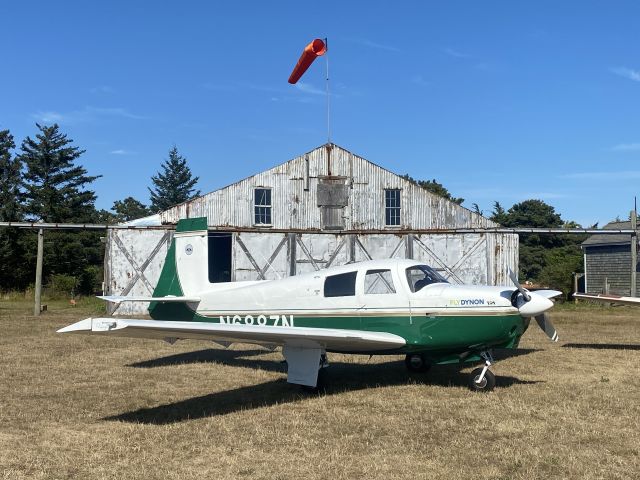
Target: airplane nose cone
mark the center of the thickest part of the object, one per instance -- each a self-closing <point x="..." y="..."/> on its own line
<point x="537" y="305"/>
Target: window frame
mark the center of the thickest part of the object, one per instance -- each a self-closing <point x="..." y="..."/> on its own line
<point x="268" y="206"/>
<point x="392" y="286"/>
<point x="353" y="282"/>
<point x="393" y="212"/>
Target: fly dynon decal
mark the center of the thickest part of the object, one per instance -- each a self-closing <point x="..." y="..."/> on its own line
<point x="277" y="320"/>
<point x="471" y="302"/>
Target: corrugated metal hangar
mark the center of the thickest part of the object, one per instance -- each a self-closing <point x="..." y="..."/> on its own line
<point x="327" y="207"/>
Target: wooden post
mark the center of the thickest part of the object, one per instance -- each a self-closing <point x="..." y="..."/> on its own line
<point x="575" y="286"/>
<point x="634" y="253"/>
<point x="38" y="292"/>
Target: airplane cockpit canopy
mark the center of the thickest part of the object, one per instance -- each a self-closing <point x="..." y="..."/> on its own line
<point x="419" y="276"/>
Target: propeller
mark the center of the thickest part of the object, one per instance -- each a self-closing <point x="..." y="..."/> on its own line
<point x="535" y="305"/>
<point x="547" y="327"/>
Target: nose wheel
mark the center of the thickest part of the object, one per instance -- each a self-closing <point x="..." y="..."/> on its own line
<point x="482" y="379"/>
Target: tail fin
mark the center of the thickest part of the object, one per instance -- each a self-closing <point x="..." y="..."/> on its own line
<point x="185" y="270"/>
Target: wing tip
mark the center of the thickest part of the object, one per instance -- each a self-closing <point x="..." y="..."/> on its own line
<point x="81" y="326"/>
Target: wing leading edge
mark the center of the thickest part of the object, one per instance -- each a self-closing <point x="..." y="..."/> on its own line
<point x="328" y="338"/>
<point x="609" y="299"/>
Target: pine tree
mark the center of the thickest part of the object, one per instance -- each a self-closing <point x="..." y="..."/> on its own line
<point x="54" y="185"/>
<point x="10" y="181"/>
<point x="129" y="209"/>
<point x="13" y="274"/>
<point x="55" y="191"/>
<point x="175" y="184"/>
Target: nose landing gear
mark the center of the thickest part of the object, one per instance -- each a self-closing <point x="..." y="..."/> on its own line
<point x="482" y="379"/>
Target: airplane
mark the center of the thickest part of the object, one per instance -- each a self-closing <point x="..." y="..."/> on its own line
<point x="608" y="298"/>
<point x="376" y="307"/>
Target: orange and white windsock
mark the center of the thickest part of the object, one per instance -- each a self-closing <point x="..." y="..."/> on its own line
<point x="312" y="51"/>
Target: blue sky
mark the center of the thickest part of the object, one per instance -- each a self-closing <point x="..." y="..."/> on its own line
<point x="497" y="100"/>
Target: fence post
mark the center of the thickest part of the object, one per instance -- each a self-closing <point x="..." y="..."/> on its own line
<point x="38" y="293"/>
<point x="634" y="253"/>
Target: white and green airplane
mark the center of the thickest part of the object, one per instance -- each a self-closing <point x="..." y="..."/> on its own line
<point x="392" y="306"/>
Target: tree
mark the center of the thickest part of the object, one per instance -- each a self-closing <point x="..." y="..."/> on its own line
<point x="11" y="194"/>
<point x="54" y="184"/>
<point x="548" y="259"/>
<point x="129" y="209"/>
<point x="55" y="191"/>
<point x="175" y="184"/>
<point x="13" y="275"/>
<point x="498" y="215"/>
<point x="434" y="187"/>
<point x="533" y="213"/>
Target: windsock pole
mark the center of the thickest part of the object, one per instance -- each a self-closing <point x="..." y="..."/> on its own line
<point x="326" y="43"/>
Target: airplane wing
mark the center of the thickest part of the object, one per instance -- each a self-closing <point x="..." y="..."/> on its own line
<point x="329" y="338"/>
<point x="609" y="298"/>
<point x="170" y="298"/>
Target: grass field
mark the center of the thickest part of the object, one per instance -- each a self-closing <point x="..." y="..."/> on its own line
<point x="84" y="407"/>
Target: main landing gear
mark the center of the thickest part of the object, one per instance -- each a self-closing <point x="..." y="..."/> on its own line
<point x="416" y="362"/>
<point x="482" y="379"/>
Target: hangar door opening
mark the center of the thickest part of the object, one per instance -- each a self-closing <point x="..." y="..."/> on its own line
<point x="220" y="256"/>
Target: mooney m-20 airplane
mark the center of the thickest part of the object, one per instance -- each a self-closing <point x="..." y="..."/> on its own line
<point x="392" y="306"/>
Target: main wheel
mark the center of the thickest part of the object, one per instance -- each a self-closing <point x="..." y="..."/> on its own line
<point x="486" y="385"/>
<point x="416" y="362"/>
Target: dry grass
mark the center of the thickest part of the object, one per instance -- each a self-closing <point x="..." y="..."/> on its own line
<point x="83" y="407"/>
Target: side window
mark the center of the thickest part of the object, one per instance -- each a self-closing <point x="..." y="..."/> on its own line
<point x="377" y="282"/>
<point x="342" y="285"/>
<point x="262" y="206"/>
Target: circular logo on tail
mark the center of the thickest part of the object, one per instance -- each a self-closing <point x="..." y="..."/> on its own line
<point x="188" y="249"/>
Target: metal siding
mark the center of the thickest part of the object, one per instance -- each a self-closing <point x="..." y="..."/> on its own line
<point x="295" y="208"/>
<point x="120" y="276"/>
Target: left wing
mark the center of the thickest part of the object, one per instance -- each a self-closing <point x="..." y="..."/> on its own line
<point x="328" y="338"/>
<point x="608" y="298"/>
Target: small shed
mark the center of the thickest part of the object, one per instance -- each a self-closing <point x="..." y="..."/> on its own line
<point x="607" y="261"/>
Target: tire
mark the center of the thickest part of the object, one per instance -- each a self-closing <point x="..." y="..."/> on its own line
<point x="487" y="384"/>
<point x="416" y="362"/>
<point x="321" y="384"/>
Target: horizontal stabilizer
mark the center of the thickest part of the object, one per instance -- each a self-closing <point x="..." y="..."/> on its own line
<point x="169" y="298"/>
<point x="329" y="338"/>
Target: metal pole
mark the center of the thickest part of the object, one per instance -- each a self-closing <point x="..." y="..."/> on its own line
<point x="634" y="253"/>
<point x="326" y="55"/>
<point x="38" y="292"/>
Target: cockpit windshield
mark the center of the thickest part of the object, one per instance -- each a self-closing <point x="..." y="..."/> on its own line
<point x="419" y="276"/>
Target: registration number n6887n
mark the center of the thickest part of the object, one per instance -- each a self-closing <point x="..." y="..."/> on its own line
<point x="271" y="320"/>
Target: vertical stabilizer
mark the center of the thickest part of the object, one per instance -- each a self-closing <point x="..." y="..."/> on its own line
<point x="185" y="270"/>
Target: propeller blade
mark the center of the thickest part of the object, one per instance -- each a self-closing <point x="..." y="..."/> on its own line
<point x="547" y="327"/>
<point x="514" y="279"/>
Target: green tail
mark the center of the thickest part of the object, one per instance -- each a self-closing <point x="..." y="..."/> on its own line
<point x="169" y="283"/>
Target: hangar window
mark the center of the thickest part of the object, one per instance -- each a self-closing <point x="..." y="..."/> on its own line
<point x="378" y="282"/>
<point x="392" y="207"/>
<point x="341" y="285"/>
<point x="262" y="206"/>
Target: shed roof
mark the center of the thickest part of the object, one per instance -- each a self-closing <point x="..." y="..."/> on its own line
<point x="621" y="239"/>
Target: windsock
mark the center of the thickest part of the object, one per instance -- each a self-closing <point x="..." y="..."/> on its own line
<point x="309" y="54"/>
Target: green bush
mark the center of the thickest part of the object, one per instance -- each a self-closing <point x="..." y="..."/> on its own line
<point x="62" y="286"/>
